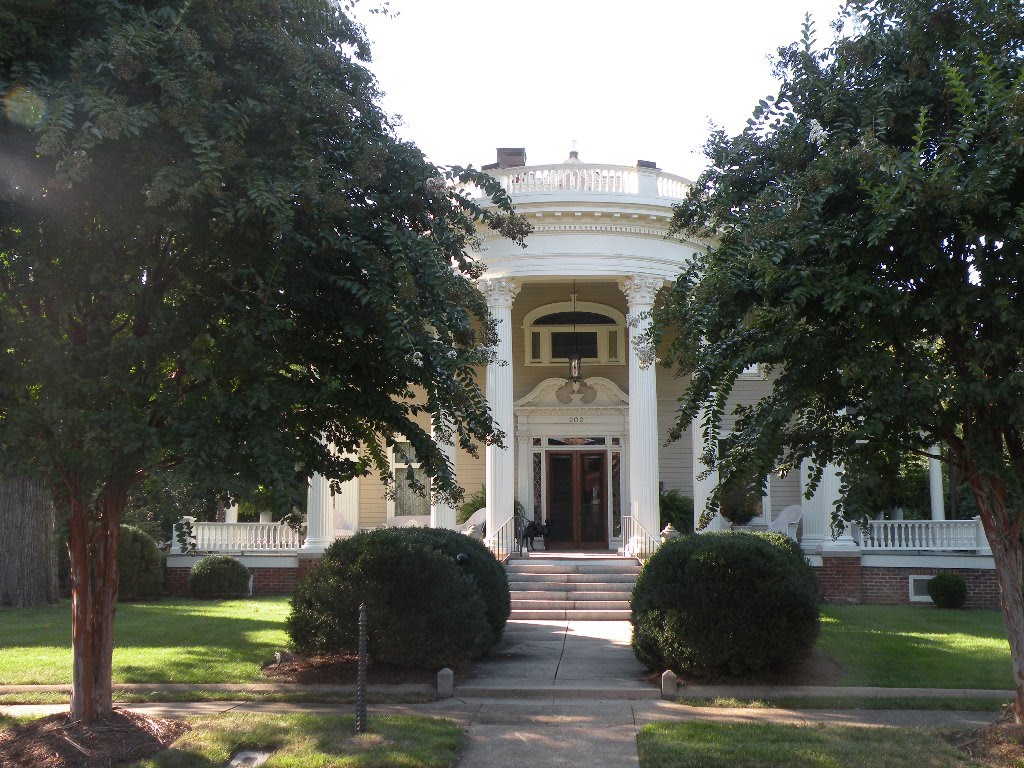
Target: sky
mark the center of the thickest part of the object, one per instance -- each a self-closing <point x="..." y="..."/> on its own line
<point x="626" y="81"/>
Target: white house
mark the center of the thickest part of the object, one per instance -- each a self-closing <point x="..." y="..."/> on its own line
<point x="590" y="456"/>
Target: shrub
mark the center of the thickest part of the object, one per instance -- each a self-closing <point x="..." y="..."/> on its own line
<point x="948" y="590"/>
<point x="725" y="604"/>
<point x="472" y="503"/>
<point x="676" y="509"/>
<point x="218" y="576"/>
<point x="423" y="608"/>
<point x="140" y="566"/>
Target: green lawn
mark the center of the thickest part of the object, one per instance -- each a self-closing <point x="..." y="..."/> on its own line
<point x="313" y="741"/>
<point x="920" y="647"/>
<point x="172" y="641"/>
<point x="702" y="744"/>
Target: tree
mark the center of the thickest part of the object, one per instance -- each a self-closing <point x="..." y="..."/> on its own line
<point x="216" y="256"/>
<point x="867" y="245"/>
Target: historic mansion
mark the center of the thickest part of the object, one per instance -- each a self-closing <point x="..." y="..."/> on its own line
<point x="587" y="413"/>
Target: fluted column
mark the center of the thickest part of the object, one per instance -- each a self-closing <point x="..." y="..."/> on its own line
<point x="935" y="486"/>
<point x="319" y="517"/>
<point x="442" y="514"/>
<point x="500" y="462"/>
<point x="817" y="518"/>
<point x="640" y="291"/>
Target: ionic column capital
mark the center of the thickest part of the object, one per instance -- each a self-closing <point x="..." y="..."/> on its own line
<point x="640" y="290"/>
<point x="500" y="292"/>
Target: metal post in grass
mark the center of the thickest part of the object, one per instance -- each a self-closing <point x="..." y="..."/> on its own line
<point x="361" y="673"/>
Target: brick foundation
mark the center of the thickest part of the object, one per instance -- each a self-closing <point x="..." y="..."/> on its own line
<point x="840" y="579"/>
<point x="265" y="581"/>
<point x="890" y="586"/>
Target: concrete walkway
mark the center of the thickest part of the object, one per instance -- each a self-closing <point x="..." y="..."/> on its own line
<point x="572" y="693"/>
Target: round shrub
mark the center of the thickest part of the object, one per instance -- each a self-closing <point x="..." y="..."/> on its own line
<point x="140" y="566"/>
<point x="948" y="590"/>
<point x="725" y="603"/>
<point x="218" y="576"/>
<point x="424" y="609"/>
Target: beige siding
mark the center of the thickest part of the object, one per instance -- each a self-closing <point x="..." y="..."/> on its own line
<point x="675" y="460"/>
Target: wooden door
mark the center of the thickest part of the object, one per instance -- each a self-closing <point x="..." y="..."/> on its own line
<point x="577" y="502"/>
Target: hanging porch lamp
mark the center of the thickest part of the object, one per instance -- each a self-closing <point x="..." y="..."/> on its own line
<point x="575" y="361"/>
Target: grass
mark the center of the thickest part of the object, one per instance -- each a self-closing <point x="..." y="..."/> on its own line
<point x="904" y="647"/>
<point x="305" y="741"/>
<point x="297" y="697"/>
<point x="759" y="745"/>
<point x="950" y="703"/>
<point x="169" y="641"/>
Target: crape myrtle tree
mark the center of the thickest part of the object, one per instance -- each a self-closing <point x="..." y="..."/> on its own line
<point x="866" y="244"/>
<point x="215" y="255"/>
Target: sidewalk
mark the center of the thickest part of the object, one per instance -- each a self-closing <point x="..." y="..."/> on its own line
<point x="567" y="693"/>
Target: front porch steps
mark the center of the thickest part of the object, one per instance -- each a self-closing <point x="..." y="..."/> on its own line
<point x="549" y="588"/>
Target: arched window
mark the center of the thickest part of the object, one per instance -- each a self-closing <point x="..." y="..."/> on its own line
<point x="555" y="331"/>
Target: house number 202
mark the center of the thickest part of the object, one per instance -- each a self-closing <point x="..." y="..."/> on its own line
<point x="575" y="419"/>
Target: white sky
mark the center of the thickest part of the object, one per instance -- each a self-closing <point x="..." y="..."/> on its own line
<point x="639" y="79"/>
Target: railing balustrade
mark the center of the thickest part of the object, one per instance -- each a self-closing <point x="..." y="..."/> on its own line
<point x="245" y="537"/>
<point x="585" y="177"/>
<point x="916" y="535"/>
<point x="502" y="542"/>
<point x="637" y="541"/>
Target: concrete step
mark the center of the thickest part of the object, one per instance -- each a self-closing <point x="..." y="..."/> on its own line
<point x="574" y="586"/>
<point x="572" y="614"/>
<point x="548" y="567"/>
<point x="569" y="605"/>
<point x="573" y="578"/>
<point x="554" y="595"/>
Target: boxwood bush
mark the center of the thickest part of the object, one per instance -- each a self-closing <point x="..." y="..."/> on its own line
<point x="948" y="590"/>
<point x="425" y="608"/>
<point x="140" y="566"/>
<point x="730" y="603"/>
<point x="218" y="576"/>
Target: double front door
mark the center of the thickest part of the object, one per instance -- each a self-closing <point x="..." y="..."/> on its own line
<point x="577" y="507"/>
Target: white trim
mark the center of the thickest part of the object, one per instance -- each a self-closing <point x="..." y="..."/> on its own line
<point x="929" y="560"/>
<point x="249" y="561"/>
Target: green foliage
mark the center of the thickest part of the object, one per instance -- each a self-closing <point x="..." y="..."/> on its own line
<point x="218" y="576"/>
<point x="948" y="590"/>
<point x="473" y="503"/>
<point x="867" y="251"/>
<point x="424" y="608"/>
<point x="725" y="604"/>
<point x="676" y="509"/>
<point x="903" y="485"/>
<point x="163" y="498"/>
<point x="140" y="566"/>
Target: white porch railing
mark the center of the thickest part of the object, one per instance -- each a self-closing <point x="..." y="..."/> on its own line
<point x="916" y="535"/>
<point x="637" y="541"/>
<point x="586" y="177"/>
<point x="502" y="542"/>
<point x="245" y="537"/>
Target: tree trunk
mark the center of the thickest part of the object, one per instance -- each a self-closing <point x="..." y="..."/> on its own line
<point x="92" y="546"/>
<point x="28" y="548"/>
<point x="1003" y="532"/>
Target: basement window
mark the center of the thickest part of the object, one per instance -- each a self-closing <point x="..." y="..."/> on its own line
<point x="919" y="589"/>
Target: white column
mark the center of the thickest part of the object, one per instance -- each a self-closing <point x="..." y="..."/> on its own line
<point x="703" y="486"/>
<point x="640" y="291"/>
<point x="442" y="514"/>
<point x="816" y="521"/>
<point x="346" y="510"/>
<point x="231" y="514"/>
<point x="935" y="485"/>
<point x="525" y="463"/>
<point x="319" y="518"/>
<point x="500" y="462"/>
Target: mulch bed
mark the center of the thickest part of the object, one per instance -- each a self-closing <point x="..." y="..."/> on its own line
<point x="1000" y="745"/>
<point x="341" y="669"/>
<point x="53" y="742"/>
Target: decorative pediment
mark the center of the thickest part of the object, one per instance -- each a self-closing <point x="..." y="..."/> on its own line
<point x="559" y="393"/>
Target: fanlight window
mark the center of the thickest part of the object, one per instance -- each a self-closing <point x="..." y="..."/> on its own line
<point x="555" y="331"/>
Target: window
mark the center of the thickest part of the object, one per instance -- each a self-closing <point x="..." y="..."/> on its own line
<point x="406" y="467"/>
<point x="919" y="589"/>
<point x="553" y="332"/>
